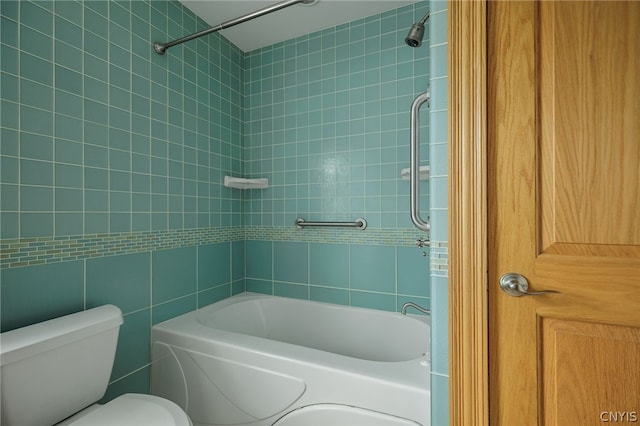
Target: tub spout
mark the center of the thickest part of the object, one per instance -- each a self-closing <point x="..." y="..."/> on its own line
<point x="414" y="305"/>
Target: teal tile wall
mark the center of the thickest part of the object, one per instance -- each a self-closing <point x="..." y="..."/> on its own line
<point x="124" y="281"/>
<point x="112" y="160"/>
<point x="327" y="121"/>
<point x="351" y="274"/>
<point x="102" y="136"/>
<point x="439" y="213"/>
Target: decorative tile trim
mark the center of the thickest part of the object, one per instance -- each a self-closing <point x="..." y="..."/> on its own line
<point x="370" y="236"/>
<point x="15" y="253"/>
<point x="439" y="258"/>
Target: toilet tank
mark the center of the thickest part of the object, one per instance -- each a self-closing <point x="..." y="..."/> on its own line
<point x="53" y="369"/>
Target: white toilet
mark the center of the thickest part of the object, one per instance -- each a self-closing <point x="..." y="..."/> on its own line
<point x="56" y="370"/>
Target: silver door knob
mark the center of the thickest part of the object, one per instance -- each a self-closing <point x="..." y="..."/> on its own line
<point x="517" y="285"/>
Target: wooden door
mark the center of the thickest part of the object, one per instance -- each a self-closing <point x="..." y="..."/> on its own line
<point x="563" y="132"/>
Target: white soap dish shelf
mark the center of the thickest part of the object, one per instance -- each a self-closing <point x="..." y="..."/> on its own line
<point x="242" y="183"/>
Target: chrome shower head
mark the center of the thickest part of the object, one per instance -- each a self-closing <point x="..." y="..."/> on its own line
<point x="416" y="33"/>
<point x="414" y="38"/>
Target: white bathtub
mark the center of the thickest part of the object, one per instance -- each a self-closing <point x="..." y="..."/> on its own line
<point x="263" y="360"/>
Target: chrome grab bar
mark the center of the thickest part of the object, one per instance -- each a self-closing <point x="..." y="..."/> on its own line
<point x="416" y="306"/>
<point x="414" y="176"/>
<point x="358" y="223"/>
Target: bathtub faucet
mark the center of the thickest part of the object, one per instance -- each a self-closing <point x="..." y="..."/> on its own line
<point x="414" y="305"/>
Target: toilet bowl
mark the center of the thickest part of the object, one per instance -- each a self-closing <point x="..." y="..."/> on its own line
<point x="131" y="409"/>
<point x="54" y="372"/>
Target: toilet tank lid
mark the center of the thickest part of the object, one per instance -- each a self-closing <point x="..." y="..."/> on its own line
<point x="27" y="341"/>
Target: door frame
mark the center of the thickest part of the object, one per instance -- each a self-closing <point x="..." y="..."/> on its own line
<point x="468" y="263"/>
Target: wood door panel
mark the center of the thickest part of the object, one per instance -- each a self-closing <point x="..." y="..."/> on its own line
<point x="589" y="94"/>
<point x="563" y="209"/>
<point x="590" y="371"/>
<point x="597" y="250"/>
<point x="587" y="284"/>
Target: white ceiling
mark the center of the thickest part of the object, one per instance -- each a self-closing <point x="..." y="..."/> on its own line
<point x="284" y="24"/>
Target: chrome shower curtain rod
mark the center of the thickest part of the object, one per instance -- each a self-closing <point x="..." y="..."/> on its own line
<point x="160" y="48"/>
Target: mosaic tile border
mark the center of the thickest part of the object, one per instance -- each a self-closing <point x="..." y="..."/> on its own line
<point x="439" y="253"/>
<point x="15" y="253"/>
<point x="371" y="236"/>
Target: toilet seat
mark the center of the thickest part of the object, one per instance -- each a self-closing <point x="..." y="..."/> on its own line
<point x="132" y="409"/>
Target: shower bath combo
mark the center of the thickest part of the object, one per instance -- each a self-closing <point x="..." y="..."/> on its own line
<point x="413" y="39"/>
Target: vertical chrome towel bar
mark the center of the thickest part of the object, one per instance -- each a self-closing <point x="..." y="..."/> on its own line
<point x="414" y="177"/>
